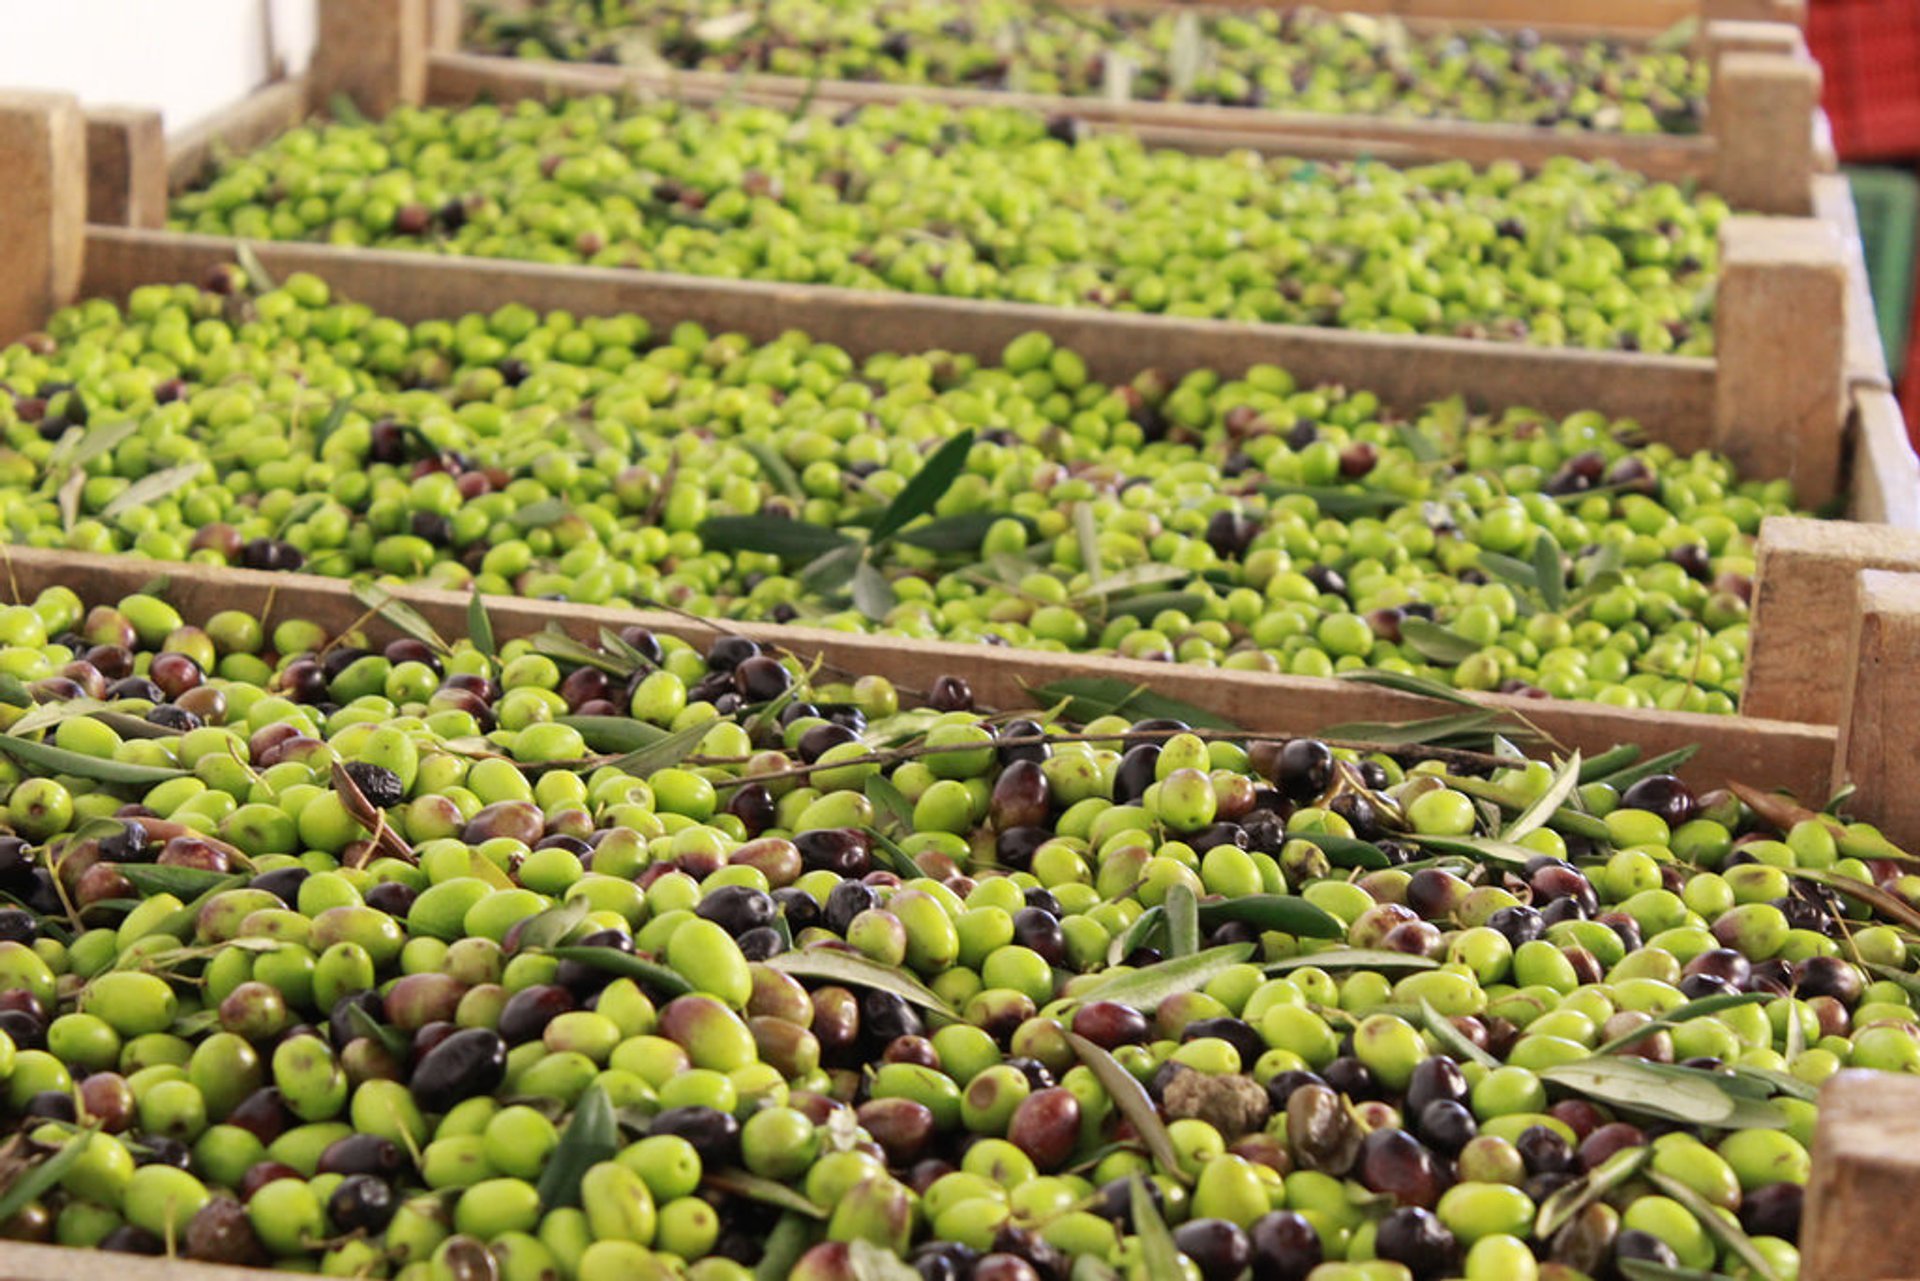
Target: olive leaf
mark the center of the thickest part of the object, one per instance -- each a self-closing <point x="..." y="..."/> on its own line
<point x="159" y="878"/>
<point x="765" y="1191"/>
<point x="625" y="965"/>
<point x="592" y="1136"/>
<point x="872" y="594"/>
<point x="1353" y="958"/>
<point x="1087" y="698"/>
<point x="1535" y="816"/>
<point x="1341" y="504"/>
<point x="791" y="540"/>
<point x="1618" y="757"/>
<point x="59" y="760"/>
<point x="1286" y="913"/>
<point x="1346" y="851"/>
<point x="784" y="1246"/>
<point x="150" y="489"/>
<point x="1087" y="536"/>
<point x="48" y="715"/>
<point x="1560" y="1207"/>
<point x="1407" y="683"/>
<point x="1731" y="1235"/>
<point x="556" y="644"/>
<point x="836" y="966"/>
<point x="259" y="279"/>
<point x="961" y="533"/>
<point x="331" y="423"/>
<point x="538" y="515"/>
<point x="925" y="489"/>
<point x="666" y="752"/>
<point x="1634" y="1085"/>
<point x="1435" y="731"/>
<point x="1482" y="848"/>
<point x="1135" y="576"/>
<point x="1145" y="607"/>
<point x="1436" y="643"/>
<point x="1679" y="1014"/>
<point x="1137" y="935"/>
<point x="1891" y="906"/>
<point x="1183" y="921"/>
<point x="1091" y="1267"/>
<point x="777" y="470"/>
<point x="480" y="626"/>
<point x="869" y="1262"/>
<point x="1145" y="988"/>
<point x="1452" y="1039"/>
<point x="77" y="448"/>
<point x="612" y="642"/>
<point x="829" y="572"/>
<point x="1157" y="1249"/>
<point x="1131" y="1097"/>
<point x="400" y="616"/>
<point x="1548" y="573"/>
<point x="44" y="1176"/>
<point x="889" y="800"/>
<point x="614" y="733"/>
<point x="397" y="1044"/>
<point x="1665" y="763"/>
<point x="1509" y="570"/>
<point x="551" y="927"/>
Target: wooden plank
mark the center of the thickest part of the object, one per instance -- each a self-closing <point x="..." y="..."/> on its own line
<point x="1883" y="478"/>
<point x="1760" y="112"/>
<point x="1878" y="753"/>
<point x="126" y="167"/>
<point x="1671" y="396"/>
<point x="1866" y="357"/>
<point x="1866" y="1173"/>
<point x="258" y="118"/>
<point x="464" y="78"/>
<point x="446" y="22"/>
<point x="43" y="152"/>
<point x="1779" y="334"/>
<point x="1771" y="753"/>
<point x="1804" y="582"/>
<point x="373" y="51"/>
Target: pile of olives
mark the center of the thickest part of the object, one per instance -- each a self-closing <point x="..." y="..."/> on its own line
<point x="1250" y="522"/>
<point x="999" y="204"/>
<point x="421" y="960"/>
<point x="1279" y="58"/>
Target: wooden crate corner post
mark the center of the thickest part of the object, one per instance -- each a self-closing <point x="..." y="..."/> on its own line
<point x="446" y="25"/>
<point x="1878" y="752"/>
<point x="1760" y="112"/>
<point x="1780" y="370"/>
<point x="1793" y="12"/>
<point x="126" y="167"/>
<point x="374" y="52"/>
<point x="1866" y="1174"/>
<point x="1806" y="572"/>
<point x="43" y="209"/>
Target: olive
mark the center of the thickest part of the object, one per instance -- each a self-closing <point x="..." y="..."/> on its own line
<point x="469" y="1062"/>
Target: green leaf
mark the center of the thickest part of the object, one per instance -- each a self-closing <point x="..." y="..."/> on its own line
<point x="304" y="508"/>
<point x="889" y="800"/>
<point x="1731" y="1235"/>
<point x="58" y="760"/>
<point x="259" y="279"/>
<point x="1419" y="444"/>
<point x="765" y="1191"/>
<point x="870" y="1262"/>
<point x="1186" y="58"/>
<point x="78" y="448"/>
<point x="1145" y="607"/>
<point x="1144" y="989"/>
<point x="48" y="715"/>
<point x="666" y="752"/>
<point x="962" y="533"/>
<point x="150" y="489"/>
<point x="1132" y="578"/>
<point x="43" y="1177"/>
<point x="1157" y="1249"/>
<point x="611" y="642"/>
<point x="1087" y="535"/>
<point x="777" y="470"/>
<point x="1682" y="1013"/>
<point x="1137" y="935"/>
<point x="1286" y="913"/>
<point x="1131" y="1097"/>
<point x="872" y="593"/>
<point x="924" y="489"/>
<point x="1665" y="763"/>
<point x="829" y="572"/>
<point x="397" y="1044"/>
<point x="791" y="540"/>
<point x="68" y="499"/>
<point x="1346" y="851"/>
<point x="331" y="423"/>
<point x="1617" y="757"/>
<point x="1560" y="1207"/>
<point x="1353" y="958"/>
<point x="480" y="626"/>
<point x="1548" y="573"/>
<point x="1434" y="642"/>
<point x="1424" y="733"/>
<point x="592" y="1136"/>
<point x="547" y="511"/>
<point x="1341" y="504"/>
<point x="551" y="927"/>
<point x="836" y="966"/>
<point x="1535" y="816"/>
<point x="556" y="644"/>
<point x="1407" y="683"/>
<point x="614" y="733"/>
<point x="159" y="878"/>
<point x="785" y="1244"/>
<point x="1509" y="570"/>
<point x="1634" y="1085"/>
<point x="1183" y="921"/>
<point x="625" y="965"/>
<point x="400" y="615"/>
<point x="1452" y="1039"/>
<point x="1090" y="697"/>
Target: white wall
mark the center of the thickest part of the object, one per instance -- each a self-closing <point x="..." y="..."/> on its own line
<point x="187" y="57"/>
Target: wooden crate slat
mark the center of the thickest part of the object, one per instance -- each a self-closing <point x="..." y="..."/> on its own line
<point x="255" y="119"/>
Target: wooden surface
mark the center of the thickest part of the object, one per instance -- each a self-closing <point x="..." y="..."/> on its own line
<point x="1760" y="114"/>
<point x="1866" y="357"/>
<point x="1766" y="753"/>
<point x="1866" y="1163"/>
<point x="373" y="51"/>
<point x="1878" y="753"/>
<point x="1883" y="476"/>
<point x="43" y="150"/>
<point x="1672" y="396"/>
<point x="1780" y="337"/>
<point x="1803" y="591"/>
<point x="255" y="119"/>
<point x="126" y="167"/>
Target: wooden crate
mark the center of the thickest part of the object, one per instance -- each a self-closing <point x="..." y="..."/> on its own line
<point x="1796" y="331"/>
<point x="1765" y="134"/>
<point x="1613" y="17"/>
